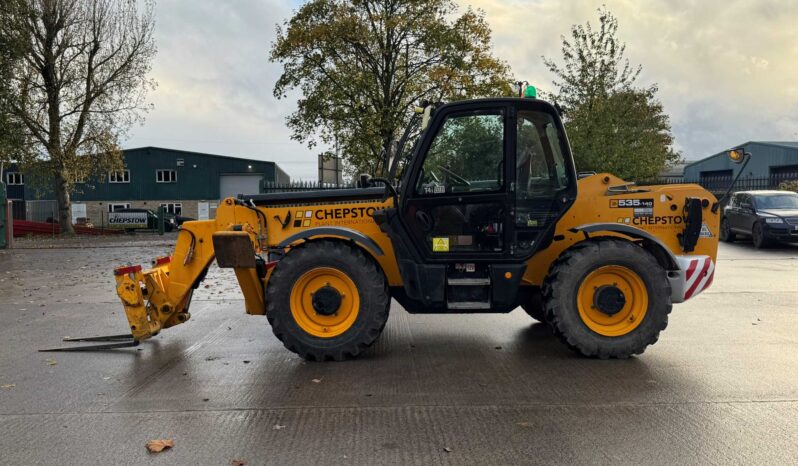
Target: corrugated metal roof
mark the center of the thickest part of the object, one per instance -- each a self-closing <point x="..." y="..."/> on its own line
<point x="785" y="144"/>
<point x="205" y="154"/>
<point x="789" y="144"/>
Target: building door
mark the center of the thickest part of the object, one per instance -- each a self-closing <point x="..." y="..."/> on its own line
<point x="233" y="185"/>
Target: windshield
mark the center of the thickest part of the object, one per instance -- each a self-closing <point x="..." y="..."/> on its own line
<point x="777" y="201"/>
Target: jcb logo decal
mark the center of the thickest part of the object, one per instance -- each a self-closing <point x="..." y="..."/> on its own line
<point x="302" y="218"/>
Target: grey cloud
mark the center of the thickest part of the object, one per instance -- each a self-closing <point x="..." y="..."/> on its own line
<point x="726" y="69"/>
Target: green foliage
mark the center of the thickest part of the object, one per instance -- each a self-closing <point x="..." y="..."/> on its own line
<point x="362" y="65"/>
<point x="612" y="125"/>
<point x="80" y="81"/>
<point x="13" y="143"/>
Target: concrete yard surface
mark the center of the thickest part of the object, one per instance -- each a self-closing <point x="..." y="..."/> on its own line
<point x="720" y="387"/>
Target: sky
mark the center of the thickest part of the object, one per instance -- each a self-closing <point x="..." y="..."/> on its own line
<point x="727" y="71"/>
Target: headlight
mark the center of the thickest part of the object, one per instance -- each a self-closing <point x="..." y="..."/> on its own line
<point x="773" y="220"/>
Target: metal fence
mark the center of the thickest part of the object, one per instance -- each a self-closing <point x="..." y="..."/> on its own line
<point x="41" y="211"/>
<point x="719" y="184"/>
<point x="295" y="186"/>
<point x="714" y="184"/>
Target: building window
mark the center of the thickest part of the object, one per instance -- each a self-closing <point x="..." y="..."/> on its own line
<point x="174" y="208"/>
<point x="166" y="176"/>
<point x="119" y="176"/>
<point x="114" y="207"/>
<point x="15" y="178"/>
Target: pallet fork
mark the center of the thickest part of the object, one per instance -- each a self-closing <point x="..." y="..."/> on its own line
<point x="160" y="297"/>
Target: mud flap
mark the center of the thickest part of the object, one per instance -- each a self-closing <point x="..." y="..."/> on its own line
<point x="693" y="220"/>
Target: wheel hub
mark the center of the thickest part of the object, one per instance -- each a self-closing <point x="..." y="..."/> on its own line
<point x="609" y="299"/>
<point x="326" y="300"/>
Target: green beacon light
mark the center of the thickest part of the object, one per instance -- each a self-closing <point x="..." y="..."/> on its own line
<point x="531" y="92"/>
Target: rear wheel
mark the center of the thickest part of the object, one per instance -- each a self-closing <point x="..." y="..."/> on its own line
<point x="758" y="237"/>
<point x="327" y="300"/>
<point x="607" y="298"/>
<point x="726" y="235"/>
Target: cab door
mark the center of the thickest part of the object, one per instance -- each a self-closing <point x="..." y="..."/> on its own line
<point x="544" y="177"/>
<point x="457" y="204"/>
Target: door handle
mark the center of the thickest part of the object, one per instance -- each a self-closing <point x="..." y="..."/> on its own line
<point x="424" y="220"/>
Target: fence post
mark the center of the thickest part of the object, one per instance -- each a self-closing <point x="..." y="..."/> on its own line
<point x="161" y="226"/>
<point x="4" y="226"/>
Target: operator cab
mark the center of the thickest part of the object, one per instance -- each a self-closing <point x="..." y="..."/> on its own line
<point x="484" y="188"/>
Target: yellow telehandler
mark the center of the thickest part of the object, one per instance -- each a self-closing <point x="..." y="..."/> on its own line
<point x="489" y="215"/>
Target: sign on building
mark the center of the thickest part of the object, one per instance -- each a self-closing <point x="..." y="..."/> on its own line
<point x="127" y="219"/>
<point x="203" y="210"/>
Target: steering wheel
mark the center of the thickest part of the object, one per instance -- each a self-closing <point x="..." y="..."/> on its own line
<point x="454" y="176"/>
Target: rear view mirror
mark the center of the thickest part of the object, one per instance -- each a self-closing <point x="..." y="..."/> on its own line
<point x="737" y="155"/>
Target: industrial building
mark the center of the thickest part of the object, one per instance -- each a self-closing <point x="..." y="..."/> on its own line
<point x="185" y="183"/>
<point x="771" y="163"/>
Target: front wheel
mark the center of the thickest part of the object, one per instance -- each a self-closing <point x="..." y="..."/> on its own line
<point x="726" y="235"/>
<point x="327" y="300"/>
<point x="607" y="298"/>
<point x="758" y="237"/>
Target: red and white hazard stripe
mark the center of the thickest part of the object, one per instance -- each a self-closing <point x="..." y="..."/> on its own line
<point x="699" y="276"/>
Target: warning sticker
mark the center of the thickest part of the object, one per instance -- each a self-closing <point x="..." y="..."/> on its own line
<point x="440" y="244"/>
<point x="705" y="232"/>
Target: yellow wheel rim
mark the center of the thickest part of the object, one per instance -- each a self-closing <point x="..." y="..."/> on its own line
<point x="307" y="316"/>
<point x="622" y="319"/>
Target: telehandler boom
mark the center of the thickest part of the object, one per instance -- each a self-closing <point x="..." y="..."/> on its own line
<point x="490" y="215"/>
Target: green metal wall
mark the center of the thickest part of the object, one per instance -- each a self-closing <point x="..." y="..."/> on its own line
<point x="197" y="178"/>
<point x="764" y="156"/>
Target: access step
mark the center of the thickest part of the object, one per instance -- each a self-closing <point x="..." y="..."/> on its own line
<point x="468" y="305"/>
<point x="468" y="281"/>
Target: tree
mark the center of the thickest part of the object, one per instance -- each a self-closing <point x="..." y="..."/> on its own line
<point x="612" y="125"/>
<point x="362" y="65"/>
<point x="12" y="140"/>
<point x="80" y="84"/>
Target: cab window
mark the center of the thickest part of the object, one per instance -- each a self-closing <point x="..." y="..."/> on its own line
<point x="466" y="155"/>
<point x="540" y="165"/>
<point x="541" y="177"/>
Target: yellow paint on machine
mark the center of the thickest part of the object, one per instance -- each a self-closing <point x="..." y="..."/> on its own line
<point x="655" y="209"/>
<point x="595" y="203"/>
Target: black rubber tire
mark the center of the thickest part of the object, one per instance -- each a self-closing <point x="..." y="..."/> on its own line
<point x="758" y="237"/>
<point x="371" y="285"/>
<point x="534" y="307"/>
<point x="726" y="235"/>
<point x="560" y="297"/>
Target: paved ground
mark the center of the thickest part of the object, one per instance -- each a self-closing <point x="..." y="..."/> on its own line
<point x="721" y="386"/>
